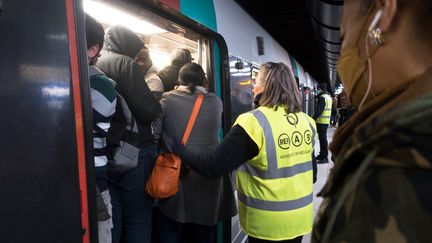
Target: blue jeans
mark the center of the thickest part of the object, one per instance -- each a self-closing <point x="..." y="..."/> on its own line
<point x="132" y="206"/>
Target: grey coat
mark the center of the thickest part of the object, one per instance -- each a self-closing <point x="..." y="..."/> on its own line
<point x="200" y="200"/>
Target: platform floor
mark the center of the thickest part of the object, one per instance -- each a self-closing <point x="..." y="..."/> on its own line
<point x="323" y="172"/>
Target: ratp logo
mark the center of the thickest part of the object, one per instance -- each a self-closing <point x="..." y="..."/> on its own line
<point x="284" y="141"/>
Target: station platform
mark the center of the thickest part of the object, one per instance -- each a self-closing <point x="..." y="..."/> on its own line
<point x="323" y="173"/>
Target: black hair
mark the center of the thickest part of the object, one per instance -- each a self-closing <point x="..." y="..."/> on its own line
<point x="192" y="75"/>
<point x="94" y="32"/>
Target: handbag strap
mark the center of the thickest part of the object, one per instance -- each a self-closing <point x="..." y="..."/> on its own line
<point x="192" y="118"/>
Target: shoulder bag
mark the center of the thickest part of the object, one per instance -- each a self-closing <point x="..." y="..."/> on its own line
<point x="164" y="179"/>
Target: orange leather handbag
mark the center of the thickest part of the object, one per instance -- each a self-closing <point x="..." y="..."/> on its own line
<point x="164" y="179"/>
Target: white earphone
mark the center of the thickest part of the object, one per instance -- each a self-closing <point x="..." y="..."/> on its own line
<point x="372" y="26"/>
<point x="375" y="20"/>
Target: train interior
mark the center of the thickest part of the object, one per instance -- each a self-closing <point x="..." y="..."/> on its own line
<point x="162" y="38"/>
<point x="159" y="35"/>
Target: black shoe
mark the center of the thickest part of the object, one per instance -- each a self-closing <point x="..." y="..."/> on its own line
<point x="322" y="161"/>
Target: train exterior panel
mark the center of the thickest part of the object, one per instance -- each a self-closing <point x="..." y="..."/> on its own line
<point x="45" y="142"/>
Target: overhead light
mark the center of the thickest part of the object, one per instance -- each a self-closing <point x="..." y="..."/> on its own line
<point x="159" y="58"/>
<point x="110" y="15"/>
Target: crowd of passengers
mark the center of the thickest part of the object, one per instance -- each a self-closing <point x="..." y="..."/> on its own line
<point x="378" y="190"/>
<point x="161" y="103"/>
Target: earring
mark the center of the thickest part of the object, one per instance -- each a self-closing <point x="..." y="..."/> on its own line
<point x="376" y="37"/>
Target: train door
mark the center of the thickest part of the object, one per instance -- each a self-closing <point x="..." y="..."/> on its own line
<point x="242" y="79"/>
<point x="46" y="170"/>
<point x="44" y="143"/>
<point x="241" y="82"/>
<point x="164" y="31"/>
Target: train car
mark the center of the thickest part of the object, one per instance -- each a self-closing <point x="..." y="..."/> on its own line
<point x="249" y="46"/>
<point x="46" y="167"/>
<point x="46" y="170"/>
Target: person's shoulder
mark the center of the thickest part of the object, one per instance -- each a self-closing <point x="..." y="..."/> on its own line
<point x="212" y="96"/>
<point x="247" y="116"/>
<point x="171" y="96"/>
<point x="166" y="70"/>
<point x="214" y="100"/>
<point x="104" y="85"/>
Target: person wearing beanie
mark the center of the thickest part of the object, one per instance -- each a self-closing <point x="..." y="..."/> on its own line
<point x="170" y="74"/>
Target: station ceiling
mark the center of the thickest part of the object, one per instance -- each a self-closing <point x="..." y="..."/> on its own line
<point x="307" y="29"/>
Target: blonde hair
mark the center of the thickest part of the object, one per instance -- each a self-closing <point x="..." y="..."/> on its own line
<point x="280" y="87"/>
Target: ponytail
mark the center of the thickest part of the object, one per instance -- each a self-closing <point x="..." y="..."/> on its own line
<point x="192" y="87"/>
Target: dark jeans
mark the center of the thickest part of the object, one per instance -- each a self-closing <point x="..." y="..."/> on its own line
<point x="132" y="206"/>
<point x="171" y="231"/>
<point x="255" y="240"/>
<point x="322" y="135"/>
<point x="333" y="118"/>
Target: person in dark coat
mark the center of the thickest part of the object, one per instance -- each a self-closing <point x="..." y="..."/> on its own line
<point x="201" y="202"/>
<point x="151" y="76"/>
<point x="132" y="207"/>
<point x="169" y="74"/>
<point x="322" y="127"/>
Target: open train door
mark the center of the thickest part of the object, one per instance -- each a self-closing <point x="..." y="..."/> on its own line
<point x="45" y="164"/>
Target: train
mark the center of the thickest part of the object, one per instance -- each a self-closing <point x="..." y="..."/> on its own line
<point x="46" y="166"/>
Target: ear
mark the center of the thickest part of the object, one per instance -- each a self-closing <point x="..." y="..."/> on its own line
<point x="93" y="51"/>
<point x="389" y="9"/>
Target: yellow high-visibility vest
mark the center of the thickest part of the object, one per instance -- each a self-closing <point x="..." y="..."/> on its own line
<point x="324" y="118"/>
<point x="275" y="188"/>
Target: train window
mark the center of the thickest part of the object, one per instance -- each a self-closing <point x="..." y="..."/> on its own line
<point x="241" y="87"/>
<point x="159" y="35"/>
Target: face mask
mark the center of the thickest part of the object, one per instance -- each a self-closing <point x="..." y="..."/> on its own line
<point x="352" y="69"/>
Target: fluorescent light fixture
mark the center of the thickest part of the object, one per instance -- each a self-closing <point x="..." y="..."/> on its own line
<point x="110" y="15"/>
<point x="159" y="58"/>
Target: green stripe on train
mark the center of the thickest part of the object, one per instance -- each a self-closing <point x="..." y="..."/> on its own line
<point x="201" y="11"/>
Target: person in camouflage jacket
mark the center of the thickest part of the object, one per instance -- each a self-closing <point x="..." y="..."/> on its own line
<point x="380" y="189"/>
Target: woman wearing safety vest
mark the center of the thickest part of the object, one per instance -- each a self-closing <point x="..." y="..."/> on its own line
<point x="272" y="148"/>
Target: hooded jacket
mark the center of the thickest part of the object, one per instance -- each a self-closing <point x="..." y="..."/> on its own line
<point x="117" y="62"/>
<point x="169" y="75"/>
<point x="379" y="189"/>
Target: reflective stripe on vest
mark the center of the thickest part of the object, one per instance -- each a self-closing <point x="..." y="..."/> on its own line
<point x="273" y="172"/>
<point x="263" y="192"/>
<point x="275" y="206"/>
<point x="324" y="118"/>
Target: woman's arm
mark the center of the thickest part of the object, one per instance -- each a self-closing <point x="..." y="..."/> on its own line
<point x="235" y="149"/>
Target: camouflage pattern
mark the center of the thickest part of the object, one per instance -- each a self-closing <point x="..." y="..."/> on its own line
<point x="380" y="189"/>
